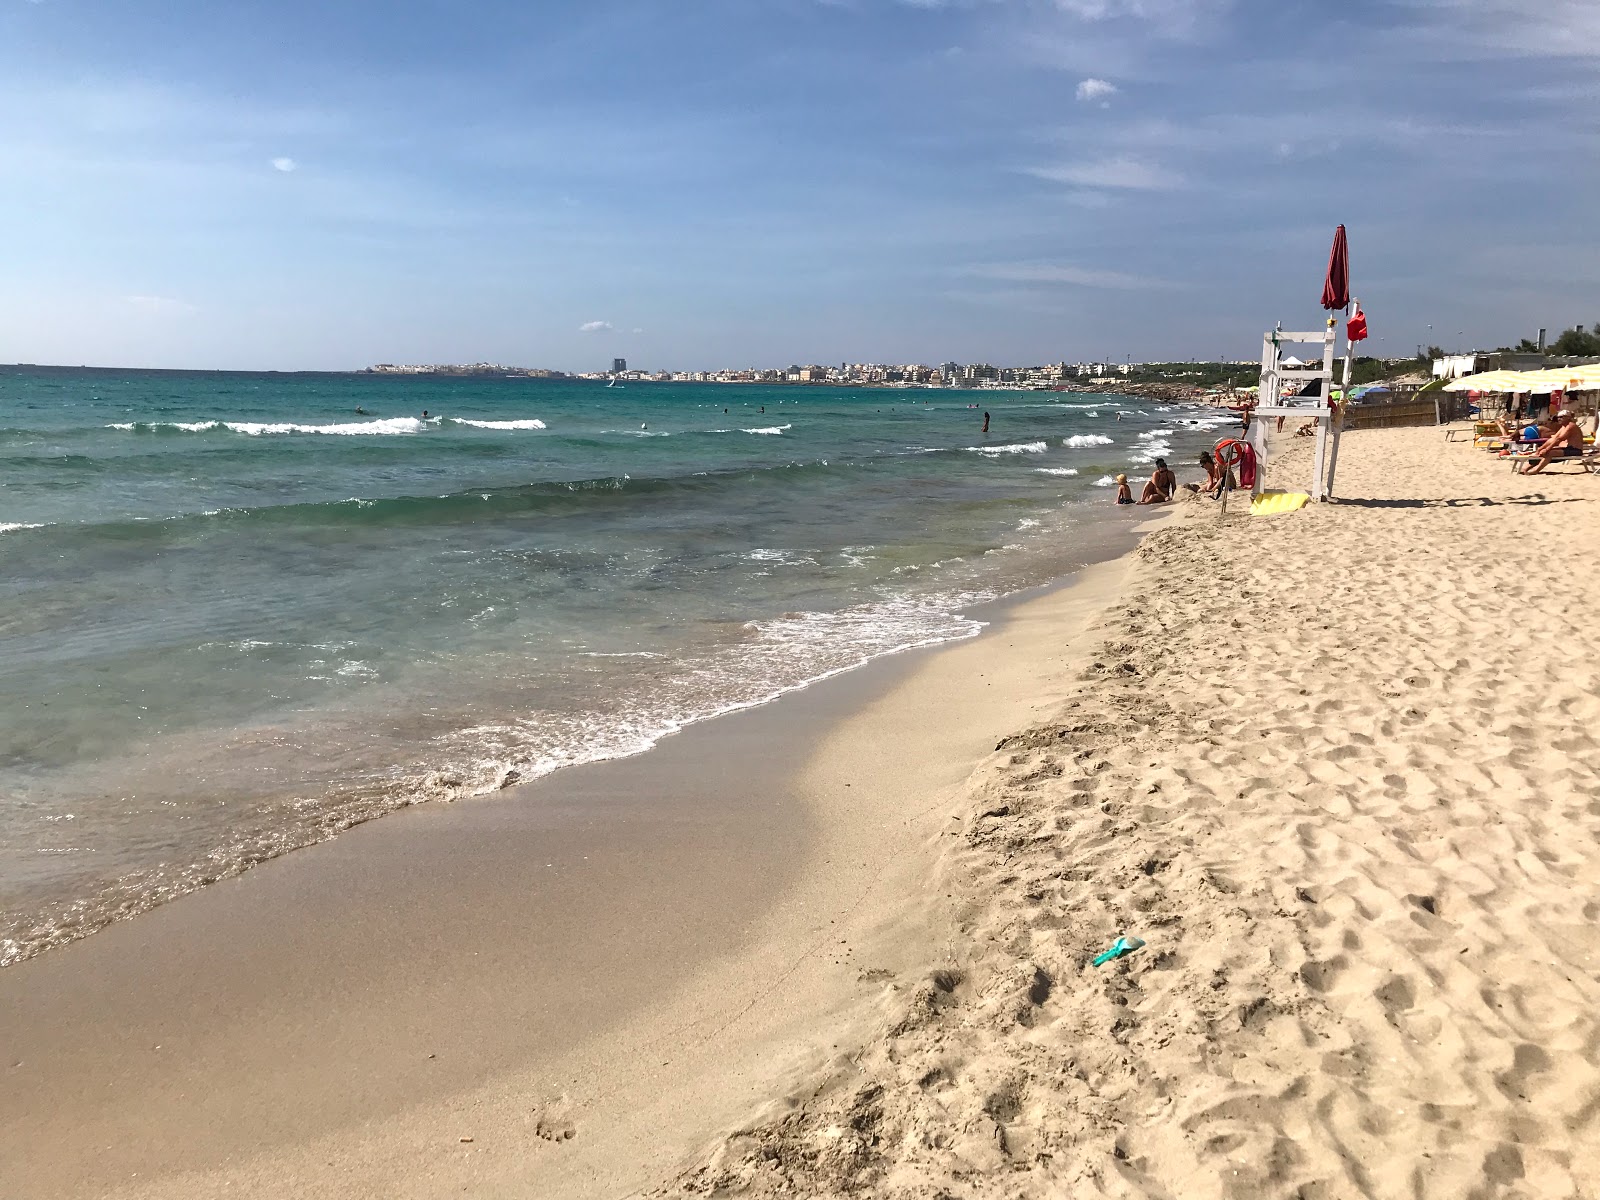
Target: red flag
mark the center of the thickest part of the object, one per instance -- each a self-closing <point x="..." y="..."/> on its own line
<point x="1336" y="288"/>
<point x="1356" y="328"/>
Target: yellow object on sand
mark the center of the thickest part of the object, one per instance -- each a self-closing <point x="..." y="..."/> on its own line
<point x="1268" y="503"/>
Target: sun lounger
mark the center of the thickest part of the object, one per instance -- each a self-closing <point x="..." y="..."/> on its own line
<point x="1588" y="461"/>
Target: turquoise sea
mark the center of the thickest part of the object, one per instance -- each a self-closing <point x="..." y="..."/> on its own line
<point x="239" y="612"/>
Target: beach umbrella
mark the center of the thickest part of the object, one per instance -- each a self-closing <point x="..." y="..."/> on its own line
<point x="1491" y="381"/>
<point x="1554" y="379"/>
<point x="1582" y="379"/>
<point x="1336" y="287"/>
<point x="1572" y="378"/>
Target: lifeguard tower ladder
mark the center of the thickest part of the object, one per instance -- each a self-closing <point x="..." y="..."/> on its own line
<point x="1278" y="398"/>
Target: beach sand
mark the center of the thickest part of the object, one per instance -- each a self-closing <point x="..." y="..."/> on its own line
<point x="1339" y="771"/>
<point x="1337" y="768"/>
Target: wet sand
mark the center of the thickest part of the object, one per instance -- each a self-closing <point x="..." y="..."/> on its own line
<point x="587" y="977"/>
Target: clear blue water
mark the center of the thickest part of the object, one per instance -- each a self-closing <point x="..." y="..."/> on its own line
<point x="236" y="614"/>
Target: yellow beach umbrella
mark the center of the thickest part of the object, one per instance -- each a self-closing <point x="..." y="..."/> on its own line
<point x="1562" y="379"/>
<point x="1491" y="381"/>
<point x="1583" y="379"/>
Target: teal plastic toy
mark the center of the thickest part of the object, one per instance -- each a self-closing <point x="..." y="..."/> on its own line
<point x="1123" y="945"/>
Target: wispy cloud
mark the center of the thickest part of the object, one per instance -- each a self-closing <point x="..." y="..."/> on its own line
<point x="595" y="327"/>
<point x="285" y="165"/>
<point x="1497" y="28"/>
<point x="158" y="304"/>
<point x="1073" y="276"/>
<point x="1121" y="172"/>
<point x="1162" y="12"/>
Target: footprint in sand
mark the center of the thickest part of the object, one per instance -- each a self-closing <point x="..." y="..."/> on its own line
<point x="554" y="1125"/>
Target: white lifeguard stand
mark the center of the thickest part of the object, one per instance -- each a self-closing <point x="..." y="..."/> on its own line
<point x="1273" y="403"/>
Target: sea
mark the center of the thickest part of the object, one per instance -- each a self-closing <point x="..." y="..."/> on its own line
<point x="242" y="612"/>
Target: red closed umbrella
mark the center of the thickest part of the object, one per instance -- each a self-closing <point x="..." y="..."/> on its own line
<point x="1336" y="288"/>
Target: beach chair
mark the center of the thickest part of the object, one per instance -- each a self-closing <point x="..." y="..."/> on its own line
<point x="1588" y="462"/>
<point x="1483" y="432"/>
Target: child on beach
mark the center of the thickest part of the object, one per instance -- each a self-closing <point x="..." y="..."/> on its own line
<point x="1124" y="492"/>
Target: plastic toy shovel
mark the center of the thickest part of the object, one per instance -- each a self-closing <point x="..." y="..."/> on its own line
<point x="1123" y="945"/>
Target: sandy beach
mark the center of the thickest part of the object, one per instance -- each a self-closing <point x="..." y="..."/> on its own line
<point x="1336" y="769"/>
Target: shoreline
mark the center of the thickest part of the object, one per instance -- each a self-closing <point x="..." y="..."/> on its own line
<point x="94" y="838"/>
<point x="246" y="998"/>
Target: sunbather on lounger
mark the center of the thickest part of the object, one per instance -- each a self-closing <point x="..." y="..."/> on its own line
<point x="1565" y="442"/>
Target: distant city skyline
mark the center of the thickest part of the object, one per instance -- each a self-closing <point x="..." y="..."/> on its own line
<point x="322" y="186"/>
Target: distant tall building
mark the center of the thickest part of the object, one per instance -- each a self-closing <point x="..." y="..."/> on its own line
<point x="619" y="366"/>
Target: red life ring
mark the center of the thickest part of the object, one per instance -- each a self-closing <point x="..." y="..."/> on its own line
<point x="1229" y="452"/>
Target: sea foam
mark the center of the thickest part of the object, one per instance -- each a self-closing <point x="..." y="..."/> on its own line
<point x="1014" y="448"/>
<point x="530" y="423"/>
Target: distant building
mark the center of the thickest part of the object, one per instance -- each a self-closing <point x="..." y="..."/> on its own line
<point x="619" y="366"/>
<point x="1454" y="366"/>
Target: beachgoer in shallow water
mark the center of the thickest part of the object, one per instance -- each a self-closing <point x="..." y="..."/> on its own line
<point x="986" y="422"/>
<point x="424" y="414"/>
<point x="1565" y="442"/>
<point x="1124" y="492"/>
<point x="1161" y="486"/>
<point x="360" y="412"/>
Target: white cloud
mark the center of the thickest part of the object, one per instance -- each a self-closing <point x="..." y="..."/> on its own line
<point x="1172" y="16"/>
<point x="638" y="331"/>
<point x="1121" y="172"/>
<point x="1058" y="273"/>
<point x="285" y="165"/>
<point x="1096" y="89"/>
<point x="595" y="327"/>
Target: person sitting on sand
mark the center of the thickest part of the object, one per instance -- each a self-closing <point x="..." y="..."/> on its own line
<point x="1161" y="486"/>
<point x="1565" y="442"/>
<point x="1218" y="477"/>
<point x="1124" y="492"/>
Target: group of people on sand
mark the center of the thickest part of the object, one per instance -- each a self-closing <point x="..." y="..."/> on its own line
<point x="1158" y="490"/>
<point x="1162" y="485"/>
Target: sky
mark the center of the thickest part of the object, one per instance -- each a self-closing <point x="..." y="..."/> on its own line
<point x="691" y="184"/>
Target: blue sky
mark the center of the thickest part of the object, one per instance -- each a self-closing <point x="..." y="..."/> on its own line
<point x="698" y="183"/>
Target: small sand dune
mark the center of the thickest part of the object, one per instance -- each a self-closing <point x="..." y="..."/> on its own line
<point x="1339" y="770"/>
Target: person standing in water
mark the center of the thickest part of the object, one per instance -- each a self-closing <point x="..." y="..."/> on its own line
<point x="986" y="422"/>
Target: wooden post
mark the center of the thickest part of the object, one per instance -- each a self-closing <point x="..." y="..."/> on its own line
<point x="1337" y="420"/>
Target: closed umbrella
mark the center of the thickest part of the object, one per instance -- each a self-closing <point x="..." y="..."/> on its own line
<point x="1336" y="287"/>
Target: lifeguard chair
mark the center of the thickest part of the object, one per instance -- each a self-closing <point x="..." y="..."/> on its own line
<point x="1284" y="395"/>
